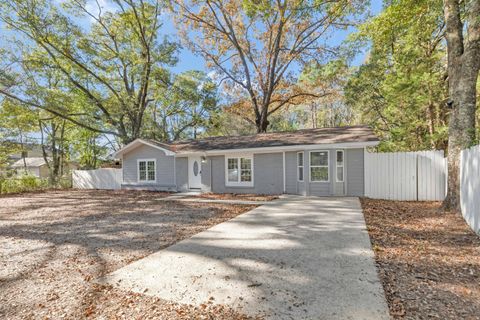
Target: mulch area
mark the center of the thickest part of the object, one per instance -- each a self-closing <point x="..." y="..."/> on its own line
<point x="237" y="196"/>
<point x="428" y="260"/>
<point x="53" y="245"/>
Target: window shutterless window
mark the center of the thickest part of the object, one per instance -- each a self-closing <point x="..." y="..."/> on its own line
<point x="319" y="166"/>
<point x="239" y="171"/>
<point x="340" y="165"/>
<point x="300" y="166"/>
<point x="146" y="170"/>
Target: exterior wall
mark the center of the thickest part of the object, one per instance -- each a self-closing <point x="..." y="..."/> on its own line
<point x="291" y="181"/>
<point x="355" y="178"/>
<point x="320" y="189"/>
<point x="181" y="170"/>
<point x="207" y="176"/>
<point x="267" y="173"/>
<point x="43" y="171"/>
<point x="165" y="169"/>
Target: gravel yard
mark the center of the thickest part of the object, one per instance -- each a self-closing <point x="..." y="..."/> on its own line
<point x="428" y="260"/>
<point x="53" y="246"/>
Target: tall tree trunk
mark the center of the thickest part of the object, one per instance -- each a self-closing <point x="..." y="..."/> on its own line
<point x="262" y="121"/>
<point x="463" y="68"/>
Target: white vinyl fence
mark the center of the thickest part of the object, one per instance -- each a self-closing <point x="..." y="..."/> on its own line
<point x="406" y="176"/>
<point x="106" y="178"/>
<point x="470" y="187"/>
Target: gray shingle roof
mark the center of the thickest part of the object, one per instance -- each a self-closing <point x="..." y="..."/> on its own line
<point x="278" y="139"/>
<point x="31" y="162"/>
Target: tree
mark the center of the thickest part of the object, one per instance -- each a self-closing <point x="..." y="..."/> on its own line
<point x="400" y="87"/>
<point x="328" y="109"/>
<point x="90" y="148"/>
<point x="18" y="126"/>
<point x="188" y="108"/>
<point x="257" y="46"/>
<point x="462" y="20"/>
<point x="112" y="69"/>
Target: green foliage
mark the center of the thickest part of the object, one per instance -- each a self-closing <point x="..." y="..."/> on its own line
<point x="103" y="77"/>
<point x="189" y="108"/>
<point x="400" y="89"/>
<point x="24" y="183"/>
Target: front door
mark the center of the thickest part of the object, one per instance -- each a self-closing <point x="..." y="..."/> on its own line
<point x="195" y="172"/>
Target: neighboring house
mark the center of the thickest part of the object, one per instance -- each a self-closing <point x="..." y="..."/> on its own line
<point x="320" y="162"/>
<point x="35" y="166"/>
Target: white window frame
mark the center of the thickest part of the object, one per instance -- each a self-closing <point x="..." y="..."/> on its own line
<point x="310" y="166"/>
<point x="301" y="166"/>
<point x="146" y="168"/>
<point x="239" y="183"/>
<point x="342" y="166"/>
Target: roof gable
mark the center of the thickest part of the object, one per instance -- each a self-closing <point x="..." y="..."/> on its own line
<point x="152" y="143"/>
<point x="29" y="162"/>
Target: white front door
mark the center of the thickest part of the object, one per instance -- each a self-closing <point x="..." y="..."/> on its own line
<point x="195" y="172"/>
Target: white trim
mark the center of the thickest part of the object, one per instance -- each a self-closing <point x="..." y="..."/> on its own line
<point x="239" y="183"/>
<point x="146" y="170"/>
<point x="302" y="166"/>
<point x="343" y="145"/>
<point x="284" y="175"/>
<point x="342" y="166"/>
<point x="310" y="166"/>
<point x="135" y="142"/>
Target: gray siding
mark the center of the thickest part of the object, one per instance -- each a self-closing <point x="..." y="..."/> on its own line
<point x="291" y="172"/>
<point x="267" y="170"/>
<point x="181" y="169"/>
<point x="206" y="176"/>
<point x="165" y="169"/>
<point x="320" y="189"/>
<point x="355" y="172"/>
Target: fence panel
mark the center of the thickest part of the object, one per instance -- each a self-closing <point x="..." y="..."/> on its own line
<point x="432" y="175"/>
<point x="470" y="187"/>
<point x="405" y="175"/>
<point x="110" y="179"/>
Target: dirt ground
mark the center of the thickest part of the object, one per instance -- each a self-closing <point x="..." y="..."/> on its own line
<point x="428" y="260"/>
<point x="53" y="246"/>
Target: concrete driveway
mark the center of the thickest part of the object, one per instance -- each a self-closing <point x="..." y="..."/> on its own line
<point x="295" y="258"/>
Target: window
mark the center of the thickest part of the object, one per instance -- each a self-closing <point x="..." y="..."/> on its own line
<point x="146" y="170"/>
<point x="239" y="171"/>
<point x="300" y="166"/>
<point x="340" y="165"/>
<point x="319" y="166"/>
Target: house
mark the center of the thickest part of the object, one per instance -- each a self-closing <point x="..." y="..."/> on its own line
<point x="320" y="162"/>
<point x="35" y="166"/>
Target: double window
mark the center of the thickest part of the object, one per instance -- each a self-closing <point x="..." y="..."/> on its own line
<point x="300" y="166"/>
<point x="239" y="171"/>
<point x="319" y="166"/>
<point x="340" y="170"/>
<point x="146" y="170"/>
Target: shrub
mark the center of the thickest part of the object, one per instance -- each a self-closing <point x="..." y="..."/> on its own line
<point x="22" y="184"/>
